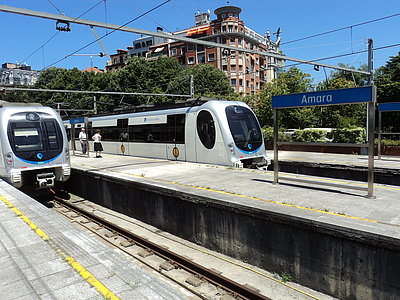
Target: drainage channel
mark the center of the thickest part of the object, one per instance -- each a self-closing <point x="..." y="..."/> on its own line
<point x="224" y="288"/>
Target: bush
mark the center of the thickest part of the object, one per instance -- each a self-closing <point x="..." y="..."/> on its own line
<point x="349" y="135"/>
<point x="268" y="133"/>
<point x="311" y="135"/>
<point x="386" y="142"/>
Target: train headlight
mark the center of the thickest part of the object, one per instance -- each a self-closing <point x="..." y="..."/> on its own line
<point x="231" y="148"/>
<point x="9" y="159"/>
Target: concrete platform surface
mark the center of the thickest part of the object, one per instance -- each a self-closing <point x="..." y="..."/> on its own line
<point x="338" y="206"/>
<point x="43" y="256"/>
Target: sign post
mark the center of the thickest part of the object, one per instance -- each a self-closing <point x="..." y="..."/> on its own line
<point x="365" y="94"/>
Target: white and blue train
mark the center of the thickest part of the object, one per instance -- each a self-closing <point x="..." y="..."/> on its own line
<point x="213" y="132"/>
<point x="34" y="146"/>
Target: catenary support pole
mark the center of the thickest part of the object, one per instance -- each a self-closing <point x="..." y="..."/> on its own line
<point x="275" y="144"/>
<point x="371" y="123"/>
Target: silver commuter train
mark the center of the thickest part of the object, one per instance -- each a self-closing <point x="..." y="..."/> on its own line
<point x="33" y="145"/>
<point x="214" y="132"/>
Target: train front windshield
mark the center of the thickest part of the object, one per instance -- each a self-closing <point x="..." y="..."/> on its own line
<point x="244" y="128"/>
<point x="35" y="140"/>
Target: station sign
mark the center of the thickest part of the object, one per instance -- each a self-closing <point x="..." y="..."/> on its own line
<point x="77" y="120"/>
<point x="390" y="106"/>
<point x="329" y="97"/>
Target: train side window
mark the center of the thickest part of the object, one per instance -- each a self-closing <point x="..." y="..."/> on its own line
<point x="206" y="129"/>
<point x="52" y="135"/>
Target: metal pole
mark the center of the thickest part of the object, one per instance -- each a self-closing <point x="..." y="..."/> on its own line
<point x="191" y="86"/>
<point x="73" y="138"/>
<point x="94" y="105"/>
<point x="87" y="134"/>
<point x="276" y="163"/>
<point x="371" y="123"/>
<point x="379" y="135"/>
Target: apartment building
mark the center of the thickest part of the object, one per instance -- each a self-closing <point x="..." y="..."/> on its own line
<point x="14" y="74"/>
<point x="246" y="72"/>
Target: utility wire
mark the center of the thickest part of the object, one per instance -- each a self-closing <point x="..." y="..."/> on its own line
<point x="339" y="29"/>
<point x="41" y="47"/>
<point x="347" y="54"/>
<point x="55" y="7"/>
<point x="107" y="34"/>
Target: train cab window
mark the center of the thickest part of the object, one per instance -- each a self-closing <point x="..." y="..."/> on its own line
<point x="206" y="129"/>
<point x="26" y="137"/>
<point x="244" y="128"/>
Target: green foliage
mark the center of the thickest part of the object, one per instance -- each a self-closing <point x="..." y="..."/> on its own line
<point x="268" y="133"/>
<point x="349" y="135"/>
<point x="387" y="79"/>
<point x="311" y="135"/>
<point x="386" y="142"/>
<point x="286" y="277"/>
<point x="160" y="76"/>
<point x="208" y="81"/>
<point x="287" y="82"/>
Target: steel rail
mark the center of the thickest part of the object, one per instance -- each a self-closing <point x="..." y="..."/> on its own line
<point x="186" y="264"/>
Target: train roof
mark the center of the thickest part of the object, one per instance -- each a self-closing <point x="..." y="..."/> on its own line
<point x="7" y="104"/>
<point x="156" y="106"/>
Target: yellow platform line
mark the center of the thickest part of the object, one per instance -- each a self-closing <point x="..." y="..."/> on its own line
<point x="85" y="274"/>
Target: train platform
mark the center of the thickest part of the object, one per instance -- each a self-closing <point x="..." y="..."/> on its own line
<point x="255" y="187"/>
<point x="43" y="256"/>
<point x="334" y="231"/>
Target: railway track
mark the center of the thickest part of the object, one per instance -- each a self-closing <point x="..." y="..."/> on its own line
<point x="202" y="282"/>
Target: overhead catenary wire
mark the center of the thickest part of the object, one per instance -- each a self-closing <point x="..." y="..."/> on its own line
<point x="108" y="33"/>
<point x="42" y="46"/>
<point x="340" y="29"/>
<point x="27" y="12"/>
<point x="346" y="54"/>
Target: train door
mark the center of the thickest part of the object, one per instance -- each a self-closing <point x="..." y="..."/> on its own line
<point x="175" y="137"/>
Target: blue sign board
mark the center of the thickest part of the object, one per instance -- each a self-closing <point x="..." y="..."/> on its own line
<point x="390" y="106"/>
<point x="330" y="97"/>
<point x="77" y="120"/>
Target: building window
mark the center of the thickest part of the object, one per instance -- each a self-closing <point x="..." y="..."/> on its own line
<point x="230" y="28"/>
<point x="190" y="47"/>
<point x="174" y="51"/>
<point x="201" y="58"/>
<point x="225" y="68"/>
<point x="137" y="46"/>
<point x="233" y="82"/>
<point x="223" y="41"/>
<point x="190" y="60"/>
<point x="200" y="48"/>
<point x="149" y="43"/>
<point x="240" y="82"/>
<point x="232" y="41"/>
<point x="211" y="57"/>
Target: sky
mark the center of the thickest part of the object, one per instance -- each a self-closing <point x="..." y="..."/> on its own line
<point x="36" y="41"/>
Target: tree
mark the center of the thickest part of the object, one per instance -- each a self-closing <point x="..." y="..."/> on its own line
<point x="343" y="116"/>
<point x="208" y="81"/>
<point x="388" y="83"/>
<point x="287" y="82"/>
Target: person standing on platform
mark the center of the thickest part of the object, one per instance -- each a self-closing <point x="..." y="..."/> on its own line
<point x="83" y="140"/>
<point x="97" y="143"/>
